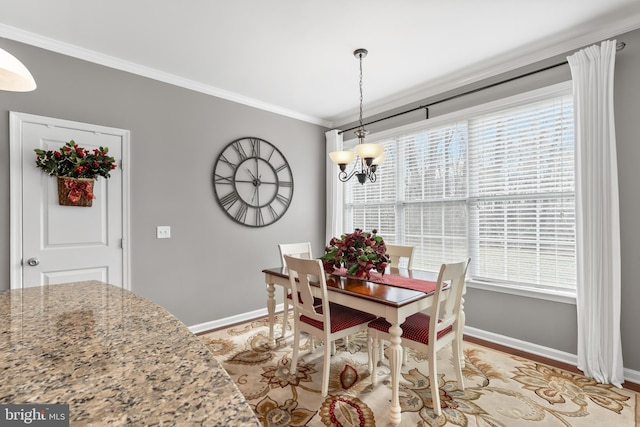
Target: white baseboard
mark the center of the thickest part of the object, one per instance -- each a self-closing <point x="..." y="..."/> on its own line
<point x="232" y="320"/>
<point x="632" y="376"/>
<point x="550" y="353"/>
<point x="536" y="349"/>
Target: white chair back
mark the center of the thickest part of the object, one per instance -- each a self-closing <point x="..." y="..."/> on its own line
<point x="448" y="299"/>
<point x="399" y="252"/>
<point x="298" y="250"/>
<point x="306" y="271"/>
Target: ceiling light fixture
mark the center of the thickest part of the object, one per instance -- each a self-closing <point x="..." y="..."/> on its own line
<point x="369" y="156"/>
<point x="14" y="76"/>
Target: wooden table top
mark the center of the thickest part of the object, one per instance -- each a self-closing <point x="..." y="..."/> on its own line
<point x="378" y="292"/>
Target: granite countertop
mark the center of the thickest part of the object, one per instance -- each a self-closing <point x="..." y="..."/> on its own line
<point x="115" y="358"/>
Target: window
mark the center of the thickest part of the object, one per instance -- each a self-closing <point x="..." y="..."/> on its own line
<point x="494" y="182"/>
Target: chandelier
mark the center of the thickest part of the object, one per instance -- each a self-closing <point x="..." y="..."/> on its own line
<point x="369" y="156"/>
<point x="14" y="76"/>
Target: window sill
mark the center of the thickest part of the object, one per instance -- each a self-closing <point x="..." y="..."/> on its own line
<point x="565" y="297"/>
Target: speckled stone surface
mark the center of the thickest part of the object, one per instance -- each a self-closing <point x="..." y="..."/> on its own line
<point x="114" y="357"/>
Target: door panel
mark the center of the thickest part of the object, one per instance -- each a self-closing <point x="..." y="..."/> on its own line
<point x="91" y="221"/>
<point x="70" y="243"/>
<point x="57" y="277"/>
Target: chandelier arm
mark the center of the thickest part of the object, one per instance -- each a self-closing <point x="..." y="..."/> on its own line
<point x="344" y="176"/>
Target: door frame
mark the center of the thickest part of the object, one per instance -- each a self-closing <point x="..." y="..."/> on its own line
<point x="16" y="119"/>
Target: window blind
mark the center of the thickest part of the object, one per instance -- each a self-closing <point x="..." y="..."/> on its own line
<point x="434" y="193"/>
<point x="521" y="199"/>
<point x="495" y="183"/>
<point x="373" y="205"/>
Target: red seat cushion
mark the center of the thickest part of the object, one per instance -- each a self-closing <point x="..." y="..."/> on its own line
<point x="341" y="318"/>
<point x="415" y="328"/>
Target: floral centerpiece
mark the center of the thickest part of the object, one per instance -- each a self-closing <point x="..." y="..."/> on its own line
<point x="76" y="169"/>
<point x="359" y="252"/>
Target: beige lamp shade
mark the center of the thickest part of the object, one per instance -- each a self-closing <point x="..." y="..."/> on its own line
<point x="342" y="157"/>
<point x="14" y="76"/>
<point x="368" y="151"/>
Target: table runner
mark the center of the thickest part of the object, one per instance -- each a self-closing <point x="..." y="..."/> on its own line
<point x="425" y="286"/>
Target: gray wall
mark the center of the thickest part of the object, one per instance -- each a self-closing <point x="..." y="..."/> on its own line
<point x="547" y="323"/>
<point x="210" y="268"/>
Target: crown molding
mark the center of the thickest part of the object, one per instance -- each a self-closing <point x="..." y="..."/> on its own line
<point x="534" y="53"/>
<point x="78" y="52"/>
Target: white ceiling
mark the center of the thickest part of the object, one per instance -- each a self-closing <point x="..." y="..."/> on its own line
<point x="295" y="57"/>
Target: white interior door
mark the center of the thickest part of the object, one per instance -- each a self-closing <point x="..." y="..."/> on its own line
<point x="54" y="244"/>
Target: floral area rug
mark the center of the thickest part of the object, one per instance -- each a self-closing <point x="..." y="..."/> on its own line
<point x="501" y="389"/>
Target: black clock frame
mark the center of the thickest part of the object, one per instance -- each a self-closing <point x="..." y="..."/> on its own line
<point x="247" y="170"/>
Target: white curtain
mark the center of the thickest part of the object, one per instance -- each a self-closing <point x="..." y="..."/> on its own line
<point x="597" y="215"/>
<point x="334" y="188"/>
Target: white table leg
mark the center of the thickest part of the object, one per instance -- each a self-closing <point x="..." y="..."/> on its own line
<point x="271" y="309"/>
<point x="395" y="363"/>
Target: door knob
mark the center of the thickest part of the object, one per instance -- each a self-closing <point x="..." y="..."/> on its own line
<point x="33" y="262"/>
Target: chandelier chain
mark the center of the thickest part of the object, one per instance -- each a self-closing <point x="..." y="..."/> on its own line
<point x="361" y="97"/>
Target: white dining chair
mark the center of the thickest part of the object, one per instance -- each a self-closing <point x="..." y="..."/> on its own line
<point x="428" y="333"/>
<point x="328" y="321"/>
<point x="399" y="254"/>
<point x="298" y="250"/>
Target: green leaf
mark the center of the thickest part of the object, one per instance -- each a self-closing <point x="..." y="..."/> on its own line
<point x="353" y="268"/>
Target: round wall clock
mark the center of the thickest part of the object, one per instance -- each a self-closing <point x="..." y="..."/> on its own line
<point x="253" y="182"/>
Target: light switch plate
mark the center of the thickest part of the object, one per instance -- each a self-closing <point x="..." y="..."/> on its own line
<point x="163" y="232"/>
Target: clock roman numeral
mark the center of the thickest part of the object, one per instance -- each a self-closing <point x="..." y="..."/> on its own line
<point x="282" y="199"/>
<point x="281" y="167"/>
<point x="228" y="200"/>
<point x="223" y="179"/>
<point x="255" y="147"/>
<point x="273" y="212"/>
<point x="259" y="217"/>
<point x="240" y="150"/>
<point x="285" y="183"/>
<point x="224" y="159"/>
<point x="241" y="214"/>
<point x="273" y="150"/>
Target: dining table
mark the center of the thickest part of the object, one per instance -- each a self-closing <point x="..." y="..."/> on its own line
<point x="394" y="295"/>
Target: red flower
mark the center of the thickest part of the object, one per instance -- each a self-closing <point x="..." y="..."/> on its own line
<point x="359" y="252"/>
<point x="74" y="161"/>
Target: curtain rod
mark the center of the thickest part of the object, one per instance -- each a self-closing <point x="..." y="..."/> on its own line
<point x="619" y="46"/>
